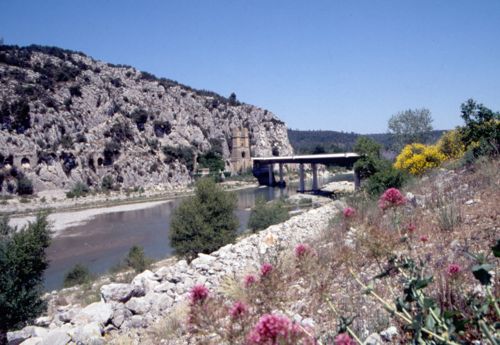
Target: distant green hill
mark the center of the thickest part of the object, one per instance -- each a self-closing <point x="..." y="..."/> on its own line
<point x="304" y="142"/>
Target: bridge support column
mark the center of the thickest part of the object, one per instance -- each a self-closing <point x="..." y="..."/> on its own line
<point x="301" y="178"/>
<point x="281" y="174"/>
<point x="270" y="181"/>
<point x="357" y="181"/>
<point x="315" y="177"/>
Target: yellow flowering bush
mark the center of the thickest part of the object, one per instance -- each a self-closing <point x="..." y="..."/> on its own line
<point x="418" y="158"/>
<point x="451" y="145"/>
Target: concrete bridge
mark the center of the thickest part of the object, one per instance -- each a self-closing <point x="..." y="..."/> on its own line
<point x="263" y="167"/>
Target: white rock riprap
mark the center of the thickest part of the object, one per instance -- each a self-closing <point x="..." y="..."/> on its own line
<point x="152" y="295"/>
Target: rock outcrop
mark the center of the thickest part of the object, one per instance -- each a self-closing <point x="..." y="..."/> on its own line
<point x="67" y="118"/>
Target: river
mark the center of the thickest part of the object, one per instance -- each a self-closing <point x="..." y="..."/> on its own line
<point x="102" y="241"/>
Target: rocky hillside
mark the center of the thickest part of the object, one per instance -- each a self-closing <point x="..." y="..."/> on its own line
<point x="67" y="118"/>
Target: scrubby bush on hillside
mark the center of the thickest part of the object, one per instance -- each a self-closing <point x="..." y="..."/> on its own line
<point x="111" y="150"/>
<point x="162" y="128"/>
<point x="140" y="117"/>
<point x="80" y="189"/>
<point x="24" y="185"/>
<point x="419" y="158"/>
<point x="120" y="132"/>
<point x="265" y="214"/>
<point x="451" y="145"/>
<point x="78" y="275"/>
<point x="204" y="222"/>
<point x="211" y="160"/>
<point x="386" y="177"/>
<point x="107" y="183"/>
<point x="22" y="263"/>
<point x="183" y="154"/>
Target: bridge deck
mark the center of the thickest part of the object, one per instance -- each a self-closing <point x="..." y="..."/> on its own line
<point x="327" y="158"/>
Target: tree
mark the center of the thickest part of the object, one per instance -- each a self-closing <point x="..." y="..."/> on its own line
<point x="482" y="128"/>
<point x="410" y="126"/>
<point x="23" y="261"/>
<point x="369" y="164"/>
<point x="232" y="99"/>
<point x="204" y="222"/>
<point x="137" y="260"/>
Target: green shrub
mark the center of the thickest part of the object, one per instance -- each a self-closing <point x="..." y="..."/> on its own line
<point x="183" y="154"/>
<point x="24" y="185"/>
<point x="111" y="150"/>
<point x="265" y="214"/>
<point x="204" y="222"/>
<point x="211" y="160"/>
<point x="80" y="189"/>
<point x="386" y="177"/>
<point x="107" y="183"/>
<point x="137" y="260"/>
<point x="23" y="261"/>
<point x="78" y="275"/>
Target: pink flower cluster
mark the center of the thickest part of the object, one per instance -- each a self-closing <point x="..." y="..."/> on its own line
<point x="249" y="280"/>
<point x="424" y="238"/>
<point x="411" y="228"/>
<point x="302" y="250"/>
<point x="349" y="212"/>
<point x="273" y="329"/>
<point x="238" y="309"/>
<point x="198" y="294"/>
<point x="453" y="269"/>
<point x="391" y="198"/>
<point x="266" y="269"/>
<point x="344" y="339"/>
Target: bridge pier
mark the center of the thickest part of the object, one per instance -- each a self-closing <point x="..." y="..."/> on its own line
<point x="281" y="175"/>
<point x="314" y="167"/>
<point x="357" y="180"/>
<point x="301" y="178"/>
<point x="270" y="167"/>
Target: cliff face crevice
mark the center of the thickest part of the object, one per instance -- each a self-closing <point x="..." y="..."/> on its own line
<point x="67" y="118"/>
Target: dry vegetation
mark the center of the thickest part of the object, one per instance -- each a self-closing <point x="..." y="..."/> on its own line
<point x="408" y="266"/>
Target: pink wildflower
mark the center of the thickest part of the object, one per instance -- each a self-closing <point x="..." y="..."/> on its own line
<point x="344" y="339"/>
<point x="249" y="280"/>
<point x="424" y="238"/>
<point x="349" y="212"/>
<point x="198" y="294"/>
<point x="302" y="249"/>
<point x="265" y="269"/>
<point x="238" y="309"/>
<point x="391" y="198"/>
<point x="453" y="269"/>
<point x="411" y="228"/>
<point x="271" y="329"/>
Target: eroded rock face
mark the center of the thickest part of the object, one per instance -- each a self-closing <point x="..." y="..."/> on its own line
<point x="72" y="119"/>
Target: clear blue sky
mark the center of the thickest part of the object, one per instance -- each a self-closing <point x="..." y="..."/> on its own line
<point x="339" y="65"/>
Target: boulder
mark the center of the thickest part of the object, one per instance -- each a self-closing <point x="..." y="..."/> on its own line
<point x="17" y="337"/>
<point x="90" y="333"/>
<point x="120" y="292"/>
<point x="138" y="305"/>
<point x="373" y="339"/>
<point x="120" y="314"/>
<point x="56" y="337"/>
<point x="145" y="282"/>
<point x="32" y="341"/>
<point x="389" y="333"/>
<point x="99" y="312"/>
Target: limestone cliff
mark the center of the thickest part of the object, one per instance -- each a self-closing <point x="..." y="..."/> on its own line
<point x="67" y="118"/>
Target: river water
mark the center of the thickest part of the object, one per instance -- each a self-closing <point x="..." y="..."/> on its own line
<point x="104" y="240"/>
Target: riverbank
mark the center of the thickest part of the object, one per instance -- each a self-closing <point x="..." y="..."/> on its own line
<point x="56" y="200"/>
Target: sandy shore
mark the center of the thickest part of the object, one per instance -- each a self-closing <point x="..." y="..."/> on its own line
<point x="63" y="220"/>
